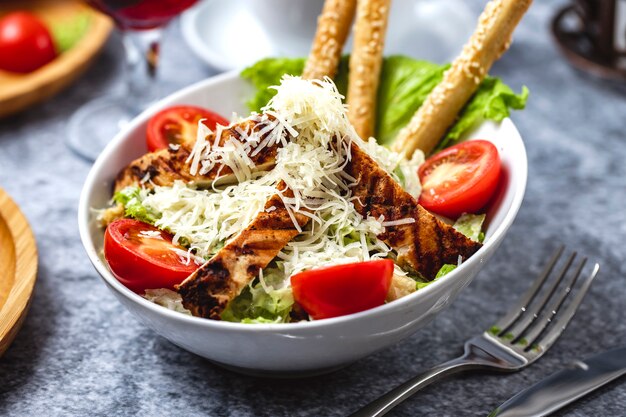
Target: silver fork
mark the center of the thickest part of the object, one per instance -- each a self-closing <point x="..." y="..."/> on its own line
<point x="517" y="340"/>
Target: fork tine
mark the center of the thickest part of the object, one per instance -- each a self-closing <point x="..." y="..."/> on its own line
<point x="531" y="314"/>
<point x="505" y="322"/>
<point x="548" y="315"/>
<point x="563" y="320"/>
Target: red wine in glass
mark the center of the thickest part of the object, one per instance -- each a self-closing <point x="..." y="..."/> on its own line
<point x="141" y="23"/>
<point x="141" y="14"/>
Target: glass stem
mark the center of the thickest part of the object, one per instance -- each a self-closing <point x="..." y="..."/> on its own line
<point x="142" y="62"/>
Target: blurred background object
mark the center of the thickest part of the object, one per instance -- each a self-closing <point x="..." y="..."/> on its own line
<point x="592" y="36"/>
<point x="235" y="34"/>
<point x="78" y="35"/>
<point x="141" y="23"/>
<point x="432" y="30"/>
<point x="18" y="269"/>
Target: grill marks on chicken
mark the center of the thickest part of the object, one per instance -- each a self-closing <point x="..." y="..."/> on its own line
<point x="165" y="166"/>
<point x="423" y="246"/>
<point x="207" y="292"/>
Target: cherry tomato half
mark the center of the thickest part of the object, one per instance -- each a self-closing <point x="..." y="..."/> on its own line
<point x="179" y="124"/>
<point x="342" y="289"/>
<point x="460" y="179"/>
<point x="142" y="256"/>
<point x="25" y="43"/>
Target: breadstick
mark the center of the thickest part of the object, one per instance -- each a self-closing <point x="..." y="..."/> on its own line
<point x="365" y="63"/>
<point x="489" y="41"/>
<point x="333" y="26"/>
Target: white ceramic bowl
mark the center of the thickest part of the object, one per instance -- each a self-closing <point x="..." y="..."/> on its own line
<point x="294" y="348"/>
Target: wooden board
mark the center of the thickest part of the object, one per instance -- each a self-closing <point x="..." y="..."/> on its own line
<point x="18" y="269"/>
<point x="19" y="91"/>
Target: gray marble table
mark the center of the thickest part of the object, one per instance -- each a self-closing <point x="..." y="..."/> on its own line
<point x="81" y="353"/>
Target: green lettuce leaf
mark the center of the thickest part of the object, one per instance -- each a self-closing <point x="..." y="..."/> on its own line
<point x="444" y="270"/>
<point x="405" y="84"/>
<point x="492" y="101"/>
<point x="131" y="198"/>
<point x="254" y="305"/>
<point x="267" y="73"/>
<point x="259" y="320"/>
<point x="471" y="226"/>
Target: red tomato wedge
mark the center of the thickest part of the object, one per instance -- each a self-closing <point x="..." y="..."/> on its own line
<point x="179" y="124"/>
<point x="460" y="179"/>
<point x="142" y="256"/>
<point x="342" y="289"/>
<point x="25" y="43"/>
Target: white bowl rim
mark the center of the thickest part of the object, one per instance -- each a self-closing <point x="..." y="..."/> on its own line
<point x="84" y="212"/>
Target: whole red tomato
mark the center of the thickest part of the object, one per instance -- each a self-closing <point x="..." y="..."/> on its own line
<point x="25" y="43"/>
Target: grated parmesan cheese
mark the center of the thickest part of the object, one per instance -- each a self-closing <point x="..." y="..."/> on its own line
<point x="205" y="218"/>
<point x="399" y="222"/>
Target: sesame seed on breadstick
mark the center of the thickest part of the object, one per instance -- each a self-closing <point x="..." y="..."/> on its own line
<point x="365" y="63"/>
<point x="333" y="26"/>
<point x="490" y="40"/>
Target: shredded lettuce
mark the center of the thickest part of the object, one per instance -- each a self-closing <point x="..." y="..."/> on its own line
<point x="348" y="235"/>
<point x="444" y="270"/>
<point x="255" y="305"/>
<point x="399" y="176"/>
<point x="471" y="226"/>
<point x="260" y="320"/>
<point x="132" y="198"/>
<point x="127" y="194"/>
<point x="421" y="284"/>
<point x="260" y="302"/>
<point x="405" y="84"/>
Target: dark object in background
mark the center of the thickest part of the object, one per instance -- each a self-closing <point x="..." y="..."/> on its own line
<point x="592" y="36"/>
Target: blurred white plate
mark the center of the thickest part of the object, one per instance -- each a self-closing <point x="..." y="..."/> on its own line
<point x="232" y="35"/>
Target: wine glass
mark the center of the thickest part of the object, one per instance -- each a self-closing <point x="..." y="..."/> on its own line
<point x="141" y="23"/>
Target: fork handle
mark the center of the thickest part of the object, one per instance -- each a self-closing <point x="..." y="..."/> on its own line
<point x="397" y="395"/>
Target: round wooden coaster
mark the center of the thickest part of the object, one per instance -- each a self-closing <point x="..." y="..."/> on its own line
<point x="18" y="269"/>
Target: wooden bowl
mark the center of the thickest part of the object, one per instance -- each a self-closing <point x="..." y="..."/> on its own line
<point x="19" y="91"/>
<point x="18" y="269"/>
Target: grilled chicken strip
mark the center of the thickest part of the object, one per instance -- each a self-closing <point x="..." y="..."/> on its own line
<point x="165" y="166"/>
<point x="207" y="292"/>
<point x="423" y="246"/>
